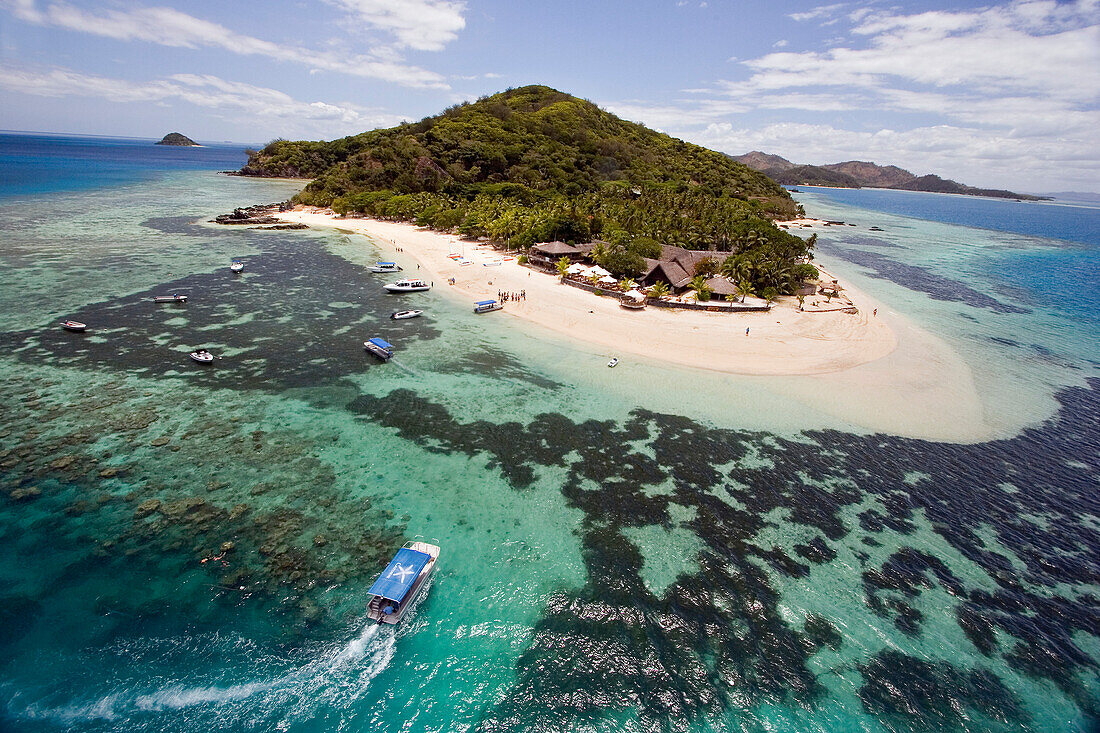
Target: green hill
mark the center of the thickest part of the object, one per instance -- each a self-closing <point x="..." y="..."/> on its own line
<point x="535" y="164"/>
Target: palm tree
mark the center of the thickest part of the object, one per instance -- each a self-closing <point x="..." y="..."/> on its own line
<point x="769" y="295"/>
<point x="744" y="288"/>
<point x="627" y="284"/>
<point x="563" y="267"/>
<point x="658" y="290"/>
<point x="702" y="290"/>
<point x="801" y="302"/>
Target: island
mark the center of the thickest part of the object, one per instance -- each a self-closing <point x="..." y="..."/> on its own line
<point x="860" y="173"/>
<point x="175" y="138"/>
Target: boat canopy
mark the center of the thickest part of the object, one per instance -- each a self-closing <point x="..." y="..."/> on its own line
<point x="385" y="264"/>
<point x="485" y="302"/>
<point x="399" y="576"/>
<point x="382" y="344"/>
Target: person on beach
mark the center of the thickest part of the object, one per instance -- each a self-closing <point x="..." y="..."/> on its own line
<point x="746" y="331"/>
<point x="875" y="312"/>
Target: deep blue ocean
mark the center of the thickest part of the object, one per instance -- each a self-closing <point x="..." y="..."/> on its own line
<point x="639" y="549"/>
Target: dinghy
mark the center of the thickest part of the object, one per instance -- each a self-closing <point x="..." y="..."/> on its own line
<point x="202" y="356"/>
<point x="74" y="326"/>
<point x="402" y="315"/>
<point x="236" y="266"/>
<point x="614" y="360"/>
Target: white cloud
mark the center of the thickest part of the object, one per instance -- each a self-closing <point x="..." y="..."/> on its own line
<point x="259" y="107"/>
<point x="821" y="11"/>
<point x="426" y="25"/>
<point x="170" y="27"/>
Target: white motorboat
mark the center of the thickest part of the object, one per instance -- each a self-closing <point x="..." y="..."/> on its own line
<point x="407" y="286"/>
<point x="402" y="315"/>
<point x="173" y="298"/>
<point x="74" y="326"/>
<point x="382" y="349"/>
<point x="236" y="266"/>
<point x="485" y="306"/>
<point x="401" y="582"/>
<point x="614" y="360"/>
<point x="385" y="267"/>
<point x="202" y="356"/>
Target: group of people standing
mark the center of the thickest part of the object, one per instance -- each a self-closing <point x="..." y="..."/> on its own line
<point x="503" y="295"/>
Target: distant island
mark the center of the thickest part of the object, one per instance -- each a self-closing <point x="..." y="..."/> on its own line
<point x="857" y="174"/>
<point x="534" y="165"/>
<point x="175" y="138"/>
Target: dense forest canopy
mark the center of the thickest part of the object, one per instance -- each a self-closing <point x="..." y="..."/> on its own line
<point x="534" y="164"/>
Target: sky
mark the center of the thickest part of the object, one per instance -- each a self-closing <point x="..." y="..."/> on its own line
<point x="1003" y="95"/>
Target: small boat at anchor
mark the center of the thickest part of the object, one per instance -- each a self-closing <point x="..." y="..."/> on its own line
<point x="385" y="267"/>
<point x="74" y="326"/>
<point x="382" y="349"/>
<point x="614" y="360"/>
<point x="402" y="315"/>
<point x="407" y="286"/>
<point x="401" y="582"/>
<point x="202" y="356"/>
<point x="173" y="298"/>
<point x="485" y="306"/>
<point x="236" y="266"/>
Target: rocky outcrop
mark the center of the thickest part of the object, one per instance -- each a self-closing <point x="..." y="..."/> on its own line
<point x="175" y="138"/>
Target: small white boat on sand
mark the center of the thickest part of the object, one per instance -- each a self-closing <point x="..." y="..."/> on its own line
<point x="385" y="267"/>
<point x="407" y="286"/>
<point x="173" y="298"/>
<point x="382" y="349"/>
<point x="236" y="266"/>
<point x="202" y="356"/>
<point x="401" y="582"/>
<point x="402" y="315"/>
<point x="74" y="326"/>
<point x="614" y="360"/>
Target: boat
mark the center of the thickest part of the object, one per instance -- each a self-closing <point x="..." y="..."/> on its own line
<point x="173" y="298"/>
<point x="382" y="349"/>
<point x="385" y="267"/>
<point x="74" y="326"/>
<point x="202" y="356"/>
<point x="614" y="360"/>
<point x="494" y="263"/>
<point x="484" y="306"/>
<point x="407" y="286"/>
<point x="402" y="315"/>
<point x="401" y="582"/>
<point x="236" y="266"/>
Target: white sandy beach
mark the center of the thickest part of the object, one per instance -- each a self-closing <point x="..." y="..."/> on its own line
<point x="881" y="372"/>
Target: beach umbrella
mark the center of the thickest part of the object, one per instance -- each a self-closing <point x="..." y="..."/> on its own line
<point x="575" y="268"/>
<point x="608" y="279"/>
<point x="599" y="271"/>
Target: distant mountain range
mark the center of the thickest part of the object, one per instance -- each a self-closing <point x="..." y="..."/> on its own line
<point x="858" y="173"/>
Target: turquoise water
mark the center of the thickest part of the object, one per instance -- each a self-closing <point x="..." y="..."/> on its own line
<point x="609" y="562"/>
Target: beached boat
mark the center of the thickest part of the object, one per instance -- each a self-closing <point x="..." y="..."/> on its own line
<point x="401" y="582"/>
<point x="385" y="267"/>
<point x="202" y="356"/>
<point x="236" y="266"/>
<point x="170" y="298"/>
<point x="484" y="306"/>
<point x="493" y="263"/>
<point x="382" y="349"/>
<point x="407" y="286"/>
<point x="402" y="315"/>
<point x="614" y="360"/>
<point x="74" y="326"/>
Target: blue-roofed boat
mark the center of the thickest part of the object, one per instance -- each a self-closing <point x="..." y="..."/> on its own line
<point x="236" y="266"/>
<point x="484" y="306"/>
<point x="382" y="349"/>
<point x="385" y="267"/>
<point x="401" y="582"/>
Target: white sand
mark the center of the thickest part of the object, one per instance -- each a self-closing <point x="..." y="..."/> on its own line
<point x="852" y="366"/>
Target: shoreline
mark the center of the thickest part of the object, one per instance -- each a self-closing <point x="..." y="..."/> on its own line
<point x="879" y="372"/>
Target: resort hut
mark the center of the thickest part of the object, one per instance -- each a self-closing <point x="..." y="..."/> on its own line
<point x="547" y="254"/>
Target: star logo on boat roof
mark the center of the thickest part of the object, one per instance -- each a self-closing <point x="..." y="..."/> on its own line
<point x="401" y="571"/>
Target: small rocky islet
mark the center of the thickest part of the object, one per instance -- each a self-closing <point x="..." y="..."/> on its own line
<point x="179" y="140"/>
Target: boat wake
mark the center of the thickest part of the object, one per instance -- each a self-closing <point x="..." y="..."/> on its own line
<point x="337" y="678"/>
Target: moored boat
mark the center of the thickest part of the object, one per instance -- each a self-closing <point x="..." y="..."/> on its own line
<point x="382" y="349"/>
<point x="173" y="298"/>
<point x="236" y="266"/>
<point x="74" y="326"/>
<point x="401" y="582"/>
<point x="202" y="356"/>
<point x="614" y="360"/>
<point x="385" y="267"/>
<point x="484" y="306"/>
<point x="407" y="286"/>
<point x="402" y="315"/>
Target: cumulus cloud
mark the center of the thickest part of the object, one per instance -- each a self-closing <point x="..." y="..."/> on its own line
<point x="425" y="25"/>
<point x="259" y="106"/>
<point x="170" y="27"/>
